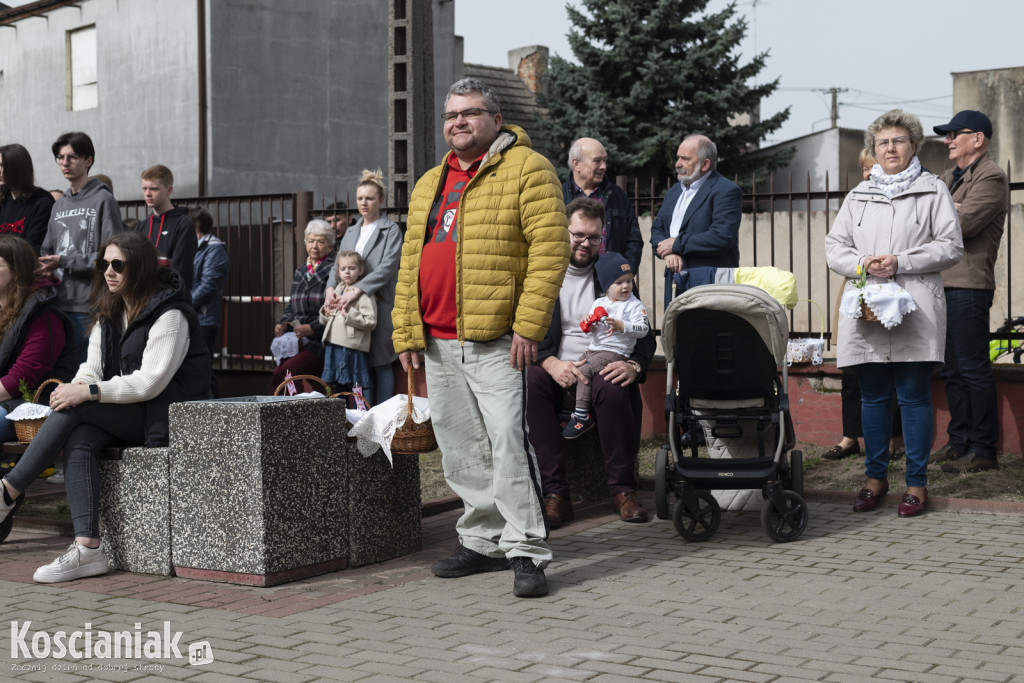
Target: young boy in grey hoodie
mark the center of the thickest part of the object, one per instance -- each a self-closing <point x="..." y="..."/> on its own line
<point x="82" y="219"/>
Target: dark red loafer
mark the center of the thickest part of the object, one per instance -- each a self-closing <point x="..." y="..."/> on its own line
<point x="867" y="499"/>
<point x="911" y="506"/>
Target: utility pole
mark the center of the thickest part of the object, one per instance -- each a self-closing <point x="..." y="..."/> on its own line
<point x="835" y="104"/>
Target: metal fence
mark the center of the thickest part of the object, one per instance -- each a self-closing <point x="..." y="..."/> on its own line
<point x="786" y="229"/>
<point x="264" y="238"/>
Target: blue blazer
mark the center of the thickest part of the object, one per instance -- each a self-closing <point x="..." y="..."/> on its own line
<point x="709" y="235"/>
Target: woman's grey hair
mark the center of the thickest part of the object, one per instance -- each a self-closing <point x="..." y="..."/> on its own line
<point x="897" y="118"/>
<point x="321" y="228"/>
<point x="467" y="86"/>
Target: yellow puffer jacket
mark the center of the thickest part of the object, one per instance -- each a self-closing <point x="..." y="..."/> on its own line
<point x="512" y="252"/>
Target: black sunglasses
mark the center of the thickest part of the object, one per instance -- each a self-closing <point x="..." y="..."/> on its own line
<point x="117" y="264"/>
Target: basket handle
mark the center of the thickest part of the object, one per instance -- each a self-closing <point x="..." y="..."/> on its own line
<point x="44" y="383"/>
<point x="345" y="394"/>
<point x="309" y="378"/>
<point x="412" y="386"/>
<point x="821" y="316"/>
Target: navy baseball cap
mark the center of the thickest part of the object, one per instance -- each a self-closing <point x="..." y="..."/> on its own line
<point x="969" y="119"/>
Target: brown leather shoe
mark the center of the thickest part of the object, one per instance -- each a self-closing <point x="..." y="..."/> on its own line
<point x="838" y="452"/>
<point x="867" y="499"/>
<point x="912" y="506"/>
<point x="557" y="509"/>
<point x="630" y="509"/>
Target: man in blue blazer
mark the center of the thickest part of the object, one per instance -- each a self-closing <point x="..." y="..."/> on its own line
<point x="699" y="221"/>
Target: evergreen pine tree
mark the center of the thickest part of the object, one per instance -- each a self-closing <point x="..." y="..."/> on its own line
<point x="651" y="72"/>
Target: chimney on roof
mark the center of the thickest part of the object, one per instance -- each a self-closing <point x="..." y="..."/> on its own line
<point x="530" y="64"/>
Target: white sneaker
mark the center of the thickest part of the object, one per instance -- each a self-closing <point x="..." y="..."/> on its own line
<point x="76" y="563"/>
<point x="57" y="477"/>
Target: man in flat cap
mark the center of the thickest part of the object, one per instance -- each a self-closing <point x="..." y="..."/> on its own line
<point x="979" y="190"/>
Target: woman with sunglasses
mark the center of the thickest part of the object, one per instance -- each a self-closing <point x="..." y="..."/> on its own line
<point x="899" y="224"/>
<point x="146" y="352"/>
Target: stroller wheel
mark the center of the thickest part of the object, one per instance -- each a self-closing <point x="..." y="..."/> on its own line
<point x="784" y="516"/>
<point x="661" y="482"/>
<point x="796" y="473"/>
<point x="699" y="520"/>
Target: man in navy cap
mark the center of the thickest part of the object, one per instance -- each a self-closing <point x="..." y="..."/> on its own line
<point x="979" y="190"/>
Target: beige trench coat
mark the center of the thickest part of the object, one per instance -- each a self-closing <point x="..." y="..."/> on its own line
<point x="920" y="227"/>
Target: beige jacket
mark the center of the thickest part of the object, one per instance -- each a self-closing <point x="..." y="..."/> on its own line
<point x="920" y="227"/>
<point x="982" y="196"/>
<point x="352" y="330"/>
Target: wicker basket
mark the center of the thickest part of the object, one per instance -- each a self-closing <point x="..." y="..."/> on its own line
<point x="26" y="430"/>
<point x="412" y="438"/>
<point x="308" y="378"/>
<point x="865" y="312"/>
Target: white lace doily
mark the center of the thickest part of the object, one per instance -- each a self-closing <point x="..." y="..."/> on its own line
<point x="376" y="428"/>
<point x="887" y="300"/>
<point x="29" y="411"/>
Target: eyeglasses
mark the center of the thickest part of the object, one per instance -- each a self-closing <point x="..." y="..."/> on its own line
<point x="953" y="134"/>
<point x="117" y="264"/>
<point x="896" y="142"/>
<point x="70" y="158"/>
<point x="580" y="238"/>
<point x="467" y="114"/>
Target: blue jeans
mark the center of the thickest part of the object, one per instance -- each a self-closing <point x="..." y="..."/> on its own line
<point x="383" y="383"/>
<point x="970" y="387"/>
<point x="79" y="321"/>
<point x="912" y="382"/>
<point x="82" y="432"/>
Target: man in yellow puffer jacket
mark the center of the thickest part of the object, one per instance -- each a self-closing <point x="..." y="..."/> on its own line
<point x="482" y="265"/>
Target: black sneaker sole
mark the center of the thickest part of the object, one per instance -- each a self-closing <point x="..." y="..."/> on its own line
<point x="8" y="523"/>
<point x="499" y="565"/>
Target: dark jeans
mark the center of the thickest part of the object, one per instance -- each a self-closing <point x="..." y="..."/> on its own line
<point x="912" y="382"/>
<point x="613" y="406"/>
<point x="210" y="334"/>
<point x="970" y="387"/>
<point x="383" y="383"/>
<point x="82" y="432"/>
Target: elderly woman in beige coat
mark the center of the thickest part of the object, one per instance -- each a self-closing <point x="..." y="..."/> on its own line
<point x="899" y="224"/>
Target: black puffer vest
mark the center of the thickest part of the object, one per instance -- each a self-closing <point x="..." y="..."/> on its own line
<point x="122" y="355"/>
<point x="43" y="300"/>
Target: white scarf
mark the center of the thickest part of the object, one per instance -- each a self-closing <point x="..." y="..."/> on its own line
<point x="892" y="185"/>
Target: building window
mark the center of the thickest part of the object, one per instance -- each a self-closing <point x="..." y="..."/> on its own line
<point x="83" y="90"/>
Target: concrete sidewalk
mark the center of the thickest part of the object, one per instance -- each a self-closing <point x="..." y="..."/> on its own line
<point x="858" y="597"/>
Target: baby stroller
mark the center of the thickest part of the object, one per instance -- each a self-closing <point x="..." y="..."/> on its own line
<point x="725" y="344"/>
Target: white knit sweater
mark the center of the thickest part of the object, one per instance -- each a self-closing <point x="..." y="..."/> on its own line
<point x="165" y="350"/>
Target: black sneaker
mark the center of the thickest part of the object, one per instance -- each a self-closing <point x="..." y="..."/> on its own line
<point x="530" y="581"/>
<point x="577" y="427"/>
<point x="945" y="454"/>
<point x="464" y="562"/>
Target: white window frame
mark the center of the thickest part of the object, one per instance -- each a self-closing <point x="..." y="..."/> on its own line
<point x="82" y="71"/>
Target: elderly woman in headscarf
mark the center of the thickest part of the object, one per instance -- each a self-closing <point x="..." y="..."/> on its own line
<point x="900" y="224"/>
<point x="302" y="314"/>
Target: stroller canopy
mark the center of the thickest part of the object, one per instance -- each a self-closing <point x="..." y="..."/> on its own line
<point x="754" y="305"/>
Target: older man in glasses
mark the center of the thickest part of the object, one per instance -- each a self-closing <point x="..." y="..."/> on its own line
<point x="979" y="192"/>
<point x="81" y="220"/>
<point x="483" y="258"/>
<point x="616" y="396"/>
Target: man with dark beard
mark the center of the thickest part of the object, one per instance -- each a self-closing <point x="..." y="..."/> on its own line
<point x="551" y="383"/>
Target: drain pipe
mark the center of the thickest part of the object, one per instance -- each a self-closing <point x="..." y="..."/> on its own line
<point x="201" y="87"/>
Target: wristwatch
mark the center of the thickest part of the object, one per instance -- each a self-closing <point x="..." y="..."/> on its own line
<point x="636" y="367"/>
<point x="94" y="392"/>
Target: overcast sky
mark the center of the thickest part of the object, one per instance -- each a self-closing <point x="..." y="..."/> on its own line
<point x="886" y="54"/>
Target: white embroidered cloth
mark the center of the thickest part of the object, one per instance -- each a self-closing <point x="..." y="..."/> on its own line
<point x="887" y="300"/>
<point x="285" y="346"/>
<point x="377" y="426"/>
<point x="29" y="411"/>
